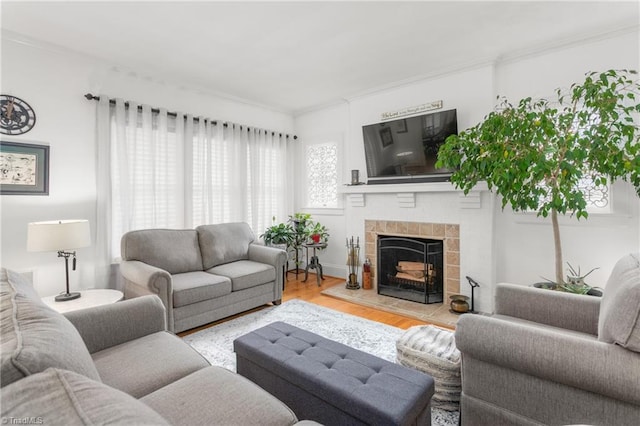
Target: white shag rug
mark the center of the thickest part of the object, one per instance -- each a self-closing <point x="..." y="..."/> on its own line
<point x="216" y="343"/>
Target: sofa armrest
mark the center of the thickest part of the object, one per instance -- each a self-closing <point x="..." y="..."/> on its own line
<point x="566" y="358"/>
<point x="564" y="310"/>
<point x="110" y="325"/>
<point x="141" y="279"/>
<point x="269" y="255"/>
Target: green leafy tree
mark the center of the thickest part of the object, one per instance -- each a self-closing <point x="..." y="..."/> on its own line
<point x="534" y="154"/>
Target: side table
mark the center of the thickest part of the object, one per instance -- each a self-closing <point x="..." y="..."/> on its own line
<point x="314" y="263"/>
<point x="88" y="299"/>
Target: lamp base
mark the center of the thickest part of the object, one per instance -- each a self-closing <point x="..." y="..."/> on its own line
<point x="67" y="296"/>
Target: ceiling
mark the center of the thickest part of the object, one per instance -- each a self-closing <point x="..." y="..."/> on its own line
<point x="296" y="56"/>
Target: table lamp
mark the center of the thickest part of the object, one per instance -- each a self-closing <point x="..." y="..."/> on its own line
<point x="60" y="236"/>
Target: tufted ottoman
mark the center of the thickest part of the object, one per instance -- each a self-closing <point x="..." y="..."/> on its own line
<point x="332" y="383"/>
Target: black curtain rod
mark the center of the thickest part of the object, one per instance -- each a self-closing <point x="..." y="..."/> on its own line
<point x="91" y="97"/>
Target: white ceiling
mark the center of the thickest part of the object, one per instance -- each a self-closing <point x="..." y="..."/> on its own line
<point x="296" y="56"/>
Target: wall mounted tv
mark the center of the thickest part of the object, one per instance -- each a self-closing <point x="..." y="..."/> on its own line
<point x="405" y="150"/>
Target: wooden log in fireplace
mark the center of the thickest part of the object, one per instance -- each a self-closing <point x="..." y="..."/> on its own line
<point x="415" y="271"/>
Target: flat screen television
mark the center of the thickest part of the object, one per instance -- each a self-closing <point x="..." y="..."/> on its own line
<point x="405" y="150"/>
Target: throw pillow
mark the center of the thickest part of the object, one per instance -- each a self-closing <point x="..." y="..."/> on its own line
<point x="34" y="337"/>
<point x="65" y="398"/>
<point x="619" y="321"/>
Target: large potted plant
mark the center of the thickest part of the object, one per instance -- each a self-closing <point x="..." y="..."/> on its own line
<point x="535" y="153"/>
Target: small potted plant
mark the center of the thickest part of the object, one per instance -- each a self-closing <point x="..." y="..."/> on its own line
<point x="281" y="234"/>
<point x="318" y="233"/>
<point x="573" y="284"/>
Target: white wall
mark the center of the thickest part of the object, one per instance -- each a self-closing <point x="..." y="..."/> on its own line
<point x="521" y="246"/>
<point x="470" y="92"/>
<point x="53" y="82"/>
<point x="327" y="125"/>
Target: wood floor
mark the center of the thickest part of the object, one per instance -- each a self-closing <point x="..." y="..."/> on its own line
<point x="310" y="292"/>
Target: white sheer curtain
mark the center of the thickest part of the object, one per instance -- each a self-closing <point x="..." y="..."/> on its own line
<point x="140" y="172"/>
<point x="159" y="171"/>
<point x="148" y="171"/>
<point x="240" y="174"/>
<point x="270" y="163"/>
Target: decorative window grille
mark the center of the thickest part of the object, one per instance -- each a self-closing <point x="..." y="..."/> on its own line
<point x="596" y="195"/>
<point x="322" y="175"/>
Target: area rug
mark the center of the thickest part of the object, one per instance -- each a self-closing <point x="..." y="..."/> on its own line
<point x="216" y="343"/>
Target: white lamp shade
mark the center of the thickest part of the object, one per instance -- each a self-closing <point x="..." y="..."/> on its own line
<point x="58" y="235"/>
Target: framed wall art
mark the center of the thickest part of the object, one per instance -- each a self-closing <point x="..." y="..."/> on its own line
<point x="24" y="168"/>
<point x="401" y="126"/>
<point x="386" y="137"/>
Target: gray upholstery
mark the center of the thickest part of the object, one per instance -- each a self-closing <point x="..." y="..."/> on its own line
<point x="196" y="400"/>
<point x="35" y="337"/>
<point x="46" y="379"/>
<point x="541" y="373"/>
<point x="226" y="274"/>
<point x="563" y="310"/>
<point x="332" y="383"/>
<point x="245" y="274"/>
<point x="620" y="313"/>
<point x="162" y="356"/>
<point x="173" y="250"/>
<point x="111" y="325"/>
<point x="224" y="243"/>
<point x="194" y="287"/>
<point x="60" y="397"/>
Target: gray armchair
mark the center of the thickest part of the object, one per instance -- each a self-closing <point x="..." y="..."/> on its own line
<point x="555" y="358"/>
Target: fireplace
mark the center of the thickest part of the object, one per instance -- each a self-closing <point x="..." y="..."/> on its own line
<point x="410" y="268"/>
<point x="446" y="233"/>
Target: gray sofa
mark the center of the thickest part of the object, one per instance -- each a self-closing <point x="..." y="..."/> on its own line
<point x="202" y="275"/>
<point x="555" y="358"/>
<point x="114" y="364"/>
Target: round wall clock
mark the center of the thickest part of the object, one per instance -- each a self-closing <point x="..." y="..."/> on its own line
<point x="16" y="116"/>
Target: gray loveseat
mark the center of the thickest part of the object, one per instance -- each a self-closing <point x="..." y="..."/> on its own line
<point x="114" y="364"/>
<point x="555" y="358"/>
<point x="203" y="274"/>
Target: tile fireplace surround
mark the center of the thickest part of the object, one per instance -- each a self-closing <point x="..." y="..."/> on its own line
<point x="436" y="313"/>
<point x="447" y="232"/>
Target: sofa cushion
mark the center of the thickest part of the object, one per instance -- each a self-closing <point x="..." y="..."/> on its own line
<point x="193" y="287"/>
<point x="34" y="336"/>
<point x="215" y="395"/>
<point x="174" y="250"/>
<point x="620" y="307"/>
<point x="146" y="364"/>
<point x="245" y="273"/>
<point x="62" y="397"/>
<point x="224" y="243"/>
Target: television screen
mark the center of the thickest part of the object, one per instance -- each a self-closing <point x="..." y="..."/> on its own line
<point x="406" y="150"/>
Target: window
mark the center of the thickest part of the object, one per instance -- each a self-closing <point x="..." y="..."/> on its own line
<point x="322" y="175"/>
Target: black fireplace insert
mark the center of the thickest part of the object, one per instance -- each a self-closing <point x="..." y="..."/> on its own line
<point x="411" y="268"/>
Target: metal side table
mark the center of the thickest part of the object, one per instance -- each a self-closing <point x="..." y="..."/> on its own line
<point x="314" y="263"/>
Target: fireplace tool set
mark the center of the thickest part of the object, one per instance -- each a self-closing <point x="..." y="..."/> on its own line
<point x="353" y="261"/>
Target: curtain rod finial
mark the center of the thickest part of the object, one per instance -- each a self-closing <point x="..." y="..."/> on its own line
<point x="89" y="96"/>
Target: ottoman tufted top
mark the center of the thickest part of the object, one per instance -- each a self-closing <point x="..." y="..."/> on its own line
<point x="353" y="381"/>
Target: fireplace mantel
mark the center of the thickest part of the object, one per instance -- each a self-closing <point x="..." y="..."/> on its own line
<point x="406" y="193"/>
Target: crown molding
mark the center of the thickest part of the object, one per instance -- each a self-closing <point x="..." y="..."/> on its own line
<point x="516" y="55"/>
<point x="141" y="74"/>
